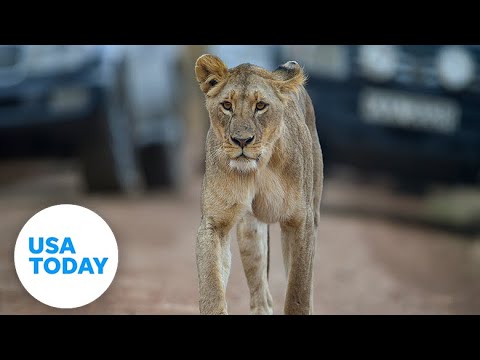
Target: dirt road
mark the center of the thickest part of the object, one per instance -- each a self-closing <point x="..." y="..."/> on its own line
<point x="363" y="265"/>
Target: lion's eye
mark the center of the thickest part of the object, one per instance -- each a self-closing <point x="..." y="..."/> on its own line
<point x="261" y="105"/>
<point x="227" y="105"/>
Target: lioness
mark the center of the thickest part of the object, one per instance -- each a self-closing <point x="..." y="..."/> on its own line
<point x="263" y="165"/>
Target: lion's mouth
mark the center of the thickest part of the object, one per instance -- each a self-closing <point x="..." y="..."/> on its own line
<point x="244" y="157"/>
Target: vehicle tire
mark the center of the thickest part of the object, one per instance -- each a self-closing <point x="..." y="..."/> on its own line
<point x="161" y="165"/>
<point x="469" y="175"/>
<point x="412" y="187"/>
<point x="108" y="154"/>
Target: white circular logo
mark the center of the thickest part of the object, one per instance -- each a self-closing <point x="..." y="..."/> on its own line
<point x="66" y="256"/>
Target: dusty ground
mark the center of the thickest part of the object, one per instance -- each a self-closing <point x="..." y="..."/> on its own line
<point x="364" y="264"/>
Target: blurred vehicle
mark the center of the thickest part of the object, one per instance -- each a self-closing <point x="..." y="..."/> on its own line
<point x="265" y="56"/>
<point x="105" y="105"/>
<point x="155" y="91"/>
<point x="407" y="110"/>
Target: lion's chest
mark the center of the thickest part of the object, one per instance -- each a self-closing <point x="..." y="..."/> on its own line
<point x="272" y="201"/>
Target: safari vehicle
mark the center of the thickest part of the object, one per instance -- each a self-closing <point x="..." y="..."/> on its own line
<point x="407" y="110"/>
<point x="105" y="105"/>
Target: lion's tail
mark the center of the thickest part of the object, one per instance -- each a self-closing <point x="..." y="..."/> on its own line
<point x="268" y="250"/>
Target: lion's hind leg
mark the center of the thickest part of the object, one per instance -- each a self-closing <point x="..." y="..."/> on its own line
<point x="252" y="238"/>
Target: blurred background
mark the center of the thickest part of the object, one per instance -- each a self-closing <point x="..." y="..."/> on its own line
<point x="121" y="130"/>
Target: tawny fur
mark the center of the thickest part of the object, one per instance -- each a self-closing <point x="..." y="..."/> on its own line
<point x="279" y="178"/>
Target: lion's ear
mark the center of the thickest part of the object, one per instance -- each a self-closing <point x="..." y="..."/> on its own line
<point x="210" y="70"/>
<point x="291" y="76"/>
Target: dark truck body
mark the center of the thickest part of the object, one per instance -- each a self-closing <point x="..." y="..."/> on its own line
<point x="409" y="125"/>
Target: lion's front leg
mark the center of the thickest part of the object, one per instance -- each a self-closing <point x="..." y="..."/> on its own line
<point x="299" y="236"/>
<point x="252" y="236"/>
<point x="213" y="265"/>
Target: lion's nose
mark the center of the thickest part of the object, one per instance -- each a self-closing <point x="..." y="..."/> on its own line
<point x="242" y="142"/>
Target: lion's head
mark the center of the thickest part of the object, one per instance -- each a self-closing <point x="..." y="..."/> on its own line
<point x="246" y="105"/>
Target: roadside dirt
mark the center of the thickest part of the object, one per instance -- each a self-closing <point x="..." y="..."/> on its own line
<point x="363" y="265"/>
